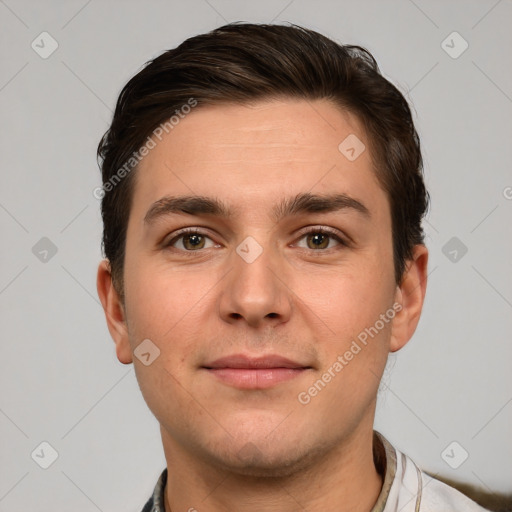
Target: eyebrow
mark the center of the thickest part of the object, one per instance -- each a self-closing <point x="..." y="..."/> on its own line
<point x="290" y="206"/>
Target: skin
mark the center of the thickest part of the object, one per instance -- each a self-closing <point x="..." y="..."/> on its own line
<point x="235" y="449"/>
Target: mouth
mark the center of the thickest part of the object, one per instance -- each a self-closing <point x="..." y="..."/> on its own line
<point x="246" y="372"/>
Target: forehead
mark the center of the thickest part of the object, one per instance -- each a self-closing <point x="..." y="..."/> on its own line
<point x="254" y="155"/>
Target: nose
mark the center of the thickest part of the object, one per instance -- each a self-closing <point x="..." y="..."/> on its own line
<point x="254" y="291"/>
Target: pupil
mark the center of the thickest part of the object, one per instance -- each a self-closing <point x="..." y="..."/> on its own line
<point x="319" y="239"/>
<point x="194" y="239"/>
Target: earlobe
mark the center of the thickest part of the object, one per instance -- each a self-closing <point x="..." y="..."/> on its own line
<point x="114" y="312"/>
<point x="410" y="295"/>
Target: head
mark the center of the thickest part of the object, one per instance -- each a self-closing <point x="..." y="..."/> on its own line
<point x="271" y="129"/>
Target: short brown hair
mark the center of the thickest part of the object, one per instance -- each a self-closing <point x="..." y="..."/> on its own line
<point x="242" y="63"/>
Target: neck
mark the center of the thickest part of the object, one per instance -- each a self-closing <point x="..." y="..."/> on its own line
<point x="343" y="479"/>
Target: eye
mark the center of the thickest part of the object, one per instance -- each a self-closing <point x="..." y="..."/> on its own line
<point x="320" y="238"/>
<point x="317" y="239"/>
<point x="190" y="240"/>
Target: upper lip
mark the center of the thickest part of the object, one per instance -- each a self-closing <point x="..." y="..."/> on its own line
<point x="254" y="362"/>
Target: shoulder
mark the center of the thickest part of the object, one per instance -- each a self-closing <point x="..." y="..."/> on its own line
<point x="440" y="497"/>
<point x="413" y="490"/>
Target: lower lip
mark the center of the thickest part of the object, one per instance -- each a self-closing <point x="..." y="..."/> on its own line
<point x="255" y="378"/>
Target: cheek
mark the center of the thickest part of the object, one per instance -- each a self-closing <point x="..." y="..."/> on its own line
<point x="348" y="298"/>
<point x="350" y="304"/>
<point x="165" y="306"/>
<point x="162" y="298"/>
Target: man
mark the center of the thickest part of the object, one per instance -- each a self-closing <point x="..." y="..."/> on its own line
<point x="262" y="205"/>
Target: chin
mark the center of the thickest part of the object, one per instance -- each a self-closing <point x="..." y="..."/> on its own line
<point x="278" y="458"/>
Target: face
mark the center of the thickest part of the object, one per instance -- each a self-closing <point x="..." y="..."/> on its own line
<point x="259" y="314"/>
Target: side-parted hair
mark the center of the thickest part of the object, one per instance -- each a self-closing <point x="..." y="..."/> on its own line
<point x="243" y="63"/>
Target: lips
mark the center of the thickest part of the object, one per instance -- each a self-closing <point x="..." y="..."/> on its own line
<point x="247" y="362"/>
<point x="246" y="372"/>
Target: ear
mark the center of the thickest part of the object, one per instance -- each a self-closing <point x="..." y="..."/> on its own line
<point x="114" y="312"/>
<point x="410" y="294"/>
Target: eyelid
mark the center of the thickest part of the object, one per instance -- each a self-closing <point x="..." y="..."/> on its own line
<point x="319" y="228"/>
<point x="192" y="230"/>
<point x="342" y="239"/>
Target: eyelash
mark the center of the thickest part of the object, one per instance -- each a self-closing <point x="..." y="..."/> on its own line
<point x="315" y="230"/>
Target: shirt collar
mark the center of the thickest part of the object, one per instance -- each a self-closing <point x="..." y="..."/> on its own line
<point x="157" y="501"/>
<point x="384" y="456"/>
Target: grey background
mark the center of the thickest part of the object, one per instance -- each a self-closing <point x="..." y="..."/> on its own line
<point x="60" y="380"/>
